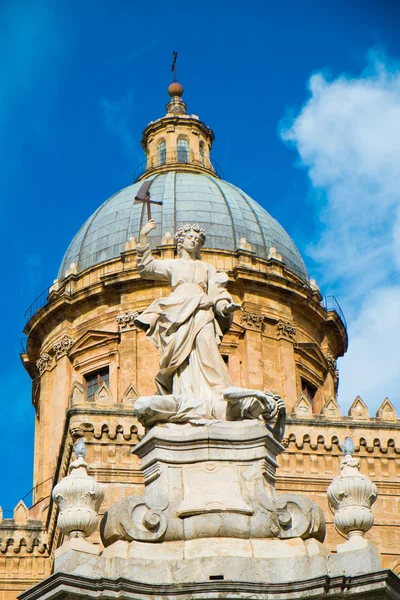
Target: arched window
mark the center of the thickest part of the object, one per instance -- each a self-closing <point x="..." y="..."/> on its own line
<point x="183" y="150"/>
<point x="161" y="152"/>
<point x="202" y="154"/>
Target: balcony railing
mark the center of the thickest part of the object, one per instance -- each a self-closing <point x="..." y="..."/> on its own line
<point x="164" y="160"/>
<point x="330" y="303"/>
<point x="38" y="303"/>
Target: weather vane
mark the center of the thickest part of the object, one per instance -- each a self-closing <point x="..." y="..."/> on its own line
<point x="173" y="68"/>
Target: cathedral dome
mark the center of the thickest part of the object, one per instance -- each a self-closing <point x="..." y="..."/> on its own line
<point x="226" y="213"/>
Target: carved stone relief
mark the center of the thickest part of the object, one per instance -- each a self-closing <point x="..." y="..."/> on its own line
<point x="386" y="411"/>
<point x="358" y="410"/>
<point x="126" y="321"/>
<point x="331" y="409"/>
<point x="303" y="407"/>
<point x="252" y="321"/>
<point x="103" y="395"/>
<point x="286" y="330"/>
<point x="44" y="363"/>
<point x="78" y="394"/>
<point x="63" y="346"/>
<point x="332" y="366"/>
<point x="130" y="395"/>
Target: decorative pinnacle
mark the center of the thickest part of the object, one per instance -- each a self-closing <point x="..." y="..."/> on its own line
<point x="349" y="462"/>
<point x="348" y="446"/>
<point x="80" y="449"/>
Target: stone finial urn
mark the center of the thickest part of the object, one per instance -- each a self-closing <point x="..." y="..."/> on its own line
<point x="78" y="497"/>
<point x="351" y="495"/>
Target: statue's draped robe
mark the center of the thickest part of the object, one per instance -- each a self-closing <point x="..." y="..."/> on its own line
<point x="192" y="372"/>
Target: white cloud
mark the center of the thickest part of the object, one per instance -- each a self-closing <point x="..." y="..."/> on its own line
<point x="117" y="118"/>
<point x="348" y="138"/>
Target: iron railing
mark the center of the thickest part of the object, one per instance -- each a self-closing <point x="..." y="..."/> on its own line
<point x="8" y="513"/>
<point x="43" y="299"/>
<point x="331" y="304"/>
<point x="38" y="303"/>
<point x="24" y="340"/>
<point x="177" y="158"/>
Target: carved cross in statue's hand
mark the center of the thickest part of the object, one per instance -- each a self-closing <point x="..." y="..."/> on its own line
<point x="143" y="196"/>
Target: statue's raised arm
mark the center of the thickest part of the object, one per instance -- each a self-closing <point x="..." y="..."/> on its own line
<point x="146" y="230"/>
<point x="187" y="326"/>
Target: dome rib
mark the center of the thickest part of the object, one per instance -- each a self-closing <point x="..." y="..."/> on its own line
<point x="216" y="183"/>
<point x="257" y="221"/>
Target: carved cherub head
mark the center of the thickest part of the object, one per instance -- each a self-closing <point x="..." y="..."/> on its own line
<point x="190" y="238"/>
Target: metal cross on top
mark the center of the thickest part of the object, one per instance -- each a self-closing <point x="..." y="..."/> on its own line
<point x="143" y="196"/>
<point x="173" y="68"/>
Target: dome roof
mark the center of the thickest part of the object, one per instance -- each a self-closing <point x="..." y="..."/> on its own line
<point x="223" y="210"/>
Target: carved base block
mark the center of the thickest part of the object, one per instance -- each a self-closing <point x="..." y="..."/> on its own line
<point x="207" y="559"/>
<point x="267" y="561"/>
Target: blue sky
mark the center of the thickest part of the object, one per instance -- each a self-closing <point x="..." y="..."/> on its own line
<point x="291" y="89"/>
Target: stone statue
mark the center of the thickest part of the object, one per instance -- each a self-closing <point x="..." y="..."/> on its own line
<point x="216" y="481"/>
<point x="193" y="382"/>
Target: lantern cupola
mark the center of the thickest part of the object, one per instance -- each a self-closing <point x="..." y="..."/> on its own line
<point x="178" y="141"/>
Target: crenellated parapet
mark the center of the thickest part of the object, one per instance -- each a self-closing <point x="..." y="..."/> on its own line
<point x="313" y="444"/>
<point x="23" y="548"/>
<point x="358" y="411"/>
<point x="23" y="534"/>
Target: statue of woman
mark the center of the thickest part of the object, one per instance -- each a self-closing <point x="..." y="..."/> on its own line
<point x="187" y="326"/>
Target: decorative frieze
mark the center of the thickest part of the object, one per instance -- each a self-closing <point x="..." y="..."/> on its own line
<point x="252" y="321"/>
<point x="63" y="346"/>
<point x="286" y="330"/>
<point x="126" y="321"/>
<point x="44" y="363"/>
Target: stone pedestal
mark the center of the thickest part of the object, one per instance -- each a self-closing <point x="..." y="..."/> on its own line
<point x="211" y="481"/>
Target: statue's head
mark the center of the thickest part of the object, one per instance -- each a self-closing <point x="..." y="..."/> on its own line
<point x="190" y="238"/>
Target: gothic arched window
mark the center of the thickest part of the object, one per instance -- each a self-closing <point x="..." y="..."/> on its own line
<point x="183" y="150"/>
<point x="161" y="152"/>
